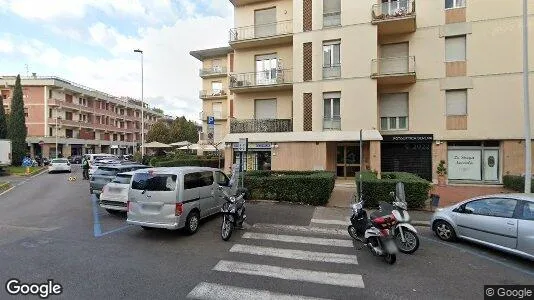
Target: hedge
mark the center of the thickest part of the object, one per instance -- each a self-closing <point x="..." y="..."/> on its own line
<point x="313" y="187"/>
<point x="200" y="162"/>
<point x="516" y="183"/>
<point x="376" y="190"/>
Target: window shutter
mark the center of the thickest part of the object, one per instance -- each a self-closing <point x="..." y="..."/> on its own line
<point x="456" y="102"/>
<point x="394" y="105"/>
<point x="265" y="109"/>
<point x="455" y="48"/>
<point x="331" y="95"/>
<point x="331" y="6"/>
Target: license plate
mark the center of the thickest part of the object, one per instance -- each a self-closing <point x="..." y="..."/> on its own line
<point x="114" y="190"/>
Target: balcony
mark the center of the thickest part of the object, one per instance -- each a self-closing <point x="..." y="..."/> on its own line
<point x="332" y="123"/>
<point x="262" y="35"/>
<point x="394" y="70"/>
<point x="274" y="80"/>
<point x="394" y="17"/>
<point x="215" y="71"/>
<point x="212" y="94"/>
<point x="260" y="125"/>
<point x="331" y="72"/>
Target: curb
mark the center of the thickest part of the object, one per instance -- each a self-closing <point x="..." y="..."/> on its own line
<point x="421" y="223"/>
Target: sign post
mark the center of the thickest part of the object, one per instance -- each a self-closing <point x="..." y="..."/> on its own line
<point x="211" y="128"/>
<point x="242" y="148"/>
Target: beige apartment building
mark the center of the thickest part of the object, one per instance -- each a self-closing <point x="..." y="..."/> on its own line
<point x="82" y="120"/>
<point x="426" y="80"/>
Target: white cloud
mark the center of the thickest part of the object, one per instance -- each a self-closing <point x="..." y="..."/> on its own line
<point x="6" y="45"/>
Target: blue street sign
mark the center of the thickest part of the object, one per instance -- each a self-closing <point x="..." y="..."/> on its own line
<point x="211" y="120"/>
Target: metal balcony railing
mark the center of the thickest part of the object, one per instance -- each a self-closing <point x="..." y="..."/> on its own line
<point x="211" y="93"/>
<point x="393" y="10"/>
<point x="261" y="31"/>
<point x="332" y="19"/>
<point x="393" y="66"/>
<point x="332" y="123"/>
<point x="261" y="125"/>
<point x="215" y="70"/>
<point x="261" y="78"/>
<point x="332" y="71"/>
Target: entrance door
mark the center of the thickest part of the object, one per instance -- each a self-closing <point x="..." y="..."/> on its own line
<point x="266" y="67"/>
<point x="491" y="165"/>
<point x="348" y="160"/>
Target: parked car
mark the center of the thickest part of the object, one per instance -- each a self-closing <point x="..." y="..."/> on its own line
<point x="59" y="165"/>
<point x="175" y="198"/>
<point x="127" y="157"/>
<point x="114" y="196"/>
<point x="503" y="221"/>
<point x="76" y="159"/>
<point x="106" y="173"/>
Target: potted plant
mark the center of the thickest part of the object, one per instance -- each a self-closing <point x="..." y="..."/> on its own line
<point x="441" y="171"/>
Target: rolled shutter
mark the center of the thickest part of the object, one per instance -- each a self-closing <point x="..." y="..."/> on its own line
<point x="456" y="102"/>
<point x="394" y="105"/>
<point x="455" y="48"/>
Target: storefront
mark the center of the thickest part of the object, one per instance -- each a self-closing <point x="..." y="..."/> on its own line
<point x="470" y="161"/>
<point x="258" y="156"/>
<point x="407" y="153"/>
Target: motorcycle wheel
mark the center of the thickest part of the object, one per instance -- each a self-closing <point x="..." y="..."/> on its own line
<point x="410" y="245"/>
<point x="390" y="258"/>
<point x="352" y="232"/>
<point x="226" y="229"/>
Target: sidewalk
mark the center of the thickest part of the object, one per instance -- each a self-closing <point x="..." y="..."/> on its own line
<point x="338" y="217"/>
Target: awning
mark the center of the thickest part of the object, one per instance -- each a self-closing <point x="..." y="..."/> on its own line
<point x="306" y="136"/>
<point x="180" y="144"/>
<point x="156" y="145"/>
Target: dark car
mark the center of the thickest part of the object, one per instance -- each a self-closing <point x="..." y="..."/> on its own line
<point x="46" y="161"/>
<point x="76" y="159"/>
<point x="105" y="174"/>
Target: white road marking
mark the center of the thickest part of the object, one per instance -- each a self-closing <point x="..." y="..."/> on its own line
<point x="338" y="279"/>
<point x="330" y="222"/>
<point x="298" y="239"/>
<point x="46" y="229"/>
<point x="212" y="291"/>
<point x="9" y="189"/>
<point x="306" y="229"/>
<point x="296" y="254"/>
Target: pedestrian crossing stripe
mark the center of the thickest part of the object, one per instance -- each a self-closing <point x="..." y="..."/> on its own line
<point x="213" y="291"/>
<point x="299" y="239"/>
<point x="296" y="254"/>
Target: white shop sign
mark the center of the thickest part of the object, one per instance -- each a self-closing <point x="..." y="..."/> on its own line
<point x="464" y="164"/>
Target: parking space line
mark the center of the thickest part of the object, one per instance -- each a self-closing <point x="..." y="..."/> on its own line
<point x="115" y="230"/>
<point x="97" y="230"/>
<point x="9" y="189"/>
<point x="528" y="272"/>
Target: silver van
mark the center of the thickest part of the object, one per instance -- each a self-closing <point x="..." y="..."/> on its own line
<point x="175" y="198"/>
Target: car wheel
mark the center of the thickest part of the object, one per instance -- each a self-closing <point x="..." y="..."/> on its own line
<point x="192" y="221"/>
<point x="147" y="228"/>
<point x="444" y="231"/>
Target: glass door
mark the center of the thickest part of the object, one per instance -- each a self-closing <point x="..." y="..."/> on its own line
<point x="491" y="165"/>
<point x="348" y="160"/>
<point x="266" y="71"/>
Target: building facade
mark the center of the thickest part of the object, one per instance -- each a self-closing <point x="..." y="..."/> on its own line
<point x="80" y="119"/>
<point x="425" y="80"/>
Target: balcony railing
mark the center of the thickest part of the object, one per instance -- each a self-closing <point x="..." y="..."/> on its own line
<point x="211" y="94"/>
<point x="393" y="66"/>
<point x="215" y="70"/>
<point x="333" y="71"/>
<point x="260" y="125"/>
<point x="261" y="31"/>
<point x="393" y="10"/>
<point x="261" y="78"/>
<point x="332" y="123"/>
<point x="332" y="19"/>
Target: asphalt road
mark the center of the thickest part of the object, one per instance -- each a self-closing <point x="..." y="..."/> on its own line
<point x="47" y="231"/>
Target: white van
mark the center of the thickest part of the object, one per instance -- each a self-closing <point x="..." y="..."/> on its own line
<point x="175" y="198"/>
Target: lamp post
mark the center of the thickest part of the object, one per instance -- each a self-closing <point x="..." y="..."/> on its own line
<point x="57" y="135"/>
<point x="142" y="106"/>
<point x="526" y="108"/>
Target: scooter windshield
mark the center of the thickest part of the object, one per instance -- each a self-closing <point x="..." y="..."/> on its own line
<point x="385" y="208"/>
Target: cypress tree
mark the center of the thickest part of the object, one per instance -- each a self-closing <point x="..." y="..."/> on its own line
<point x="3" y="121"/>
<point x="16" y="127"/>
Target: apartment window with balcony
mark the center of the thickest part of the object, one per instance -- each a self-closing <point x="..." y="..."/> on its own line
<point x="265" y="109"/>
<point x="394" y="7"/>
<point x="456" y="102"/>
<point x="331" y="13"/>
<point x="265" y="22"/>
<point x="332" y="109"/>
<point x="216" y="88"/>
<point x="455" y="48"/>
<point x="332" y="59"/>
<point x="50" y="132"/>
<point x="68" y="133"/>
<point x="216" y="66"/>
<point x="454" y="3"/>
<point x="50" y="113"/>
<point x="394" y="111"/>
<point x="266" y="69"/>
<point x="68" y="115"/>
<point x="217" y="110"/>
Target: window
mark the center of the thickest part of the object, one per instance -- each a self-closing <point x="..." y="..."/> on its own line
<point x="394" y="7"/>
<point x="456" y="102"/>
<point x="493" y="207"/>
<point x="50" y="113"/>
<point x="394" y="111"/>
<point x="265" y="109"/>
<point x="331" y="13"/>
<point x="266" y="69"/>
<point x="206" y="178"/>
<point x="455" y="49"/>
<point x="528" y="211"/>
<point x="49" y="93"/>
<point x="454" y="3"/>
<point x="68" y="133"/>
<point x="332" y="117"/>
<point x="332" y="59"/>
<point x="216" y="66"/>
<point x="264" y="22"/>
<point x="199" y="179"/>
<point x="50" y="132"/>
<point x="154" y="182"/>
<point x="122" y="178"/>
<point x="221" y="178"/>
<point x="217" y="110"/>
<point x="216" y="87"/>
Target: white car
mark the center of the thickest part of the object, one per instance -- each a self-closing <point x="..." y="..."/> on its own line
<point x="114" y="196"/>
<point x="59" y="165"/>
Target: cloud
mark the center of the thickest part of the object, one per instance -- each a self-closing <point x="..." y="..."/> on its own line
<point x="6" y="45"/>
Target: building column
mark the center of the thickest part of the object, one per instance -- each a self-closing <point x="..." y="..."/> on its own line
<point x="67" y="150"/>
<point x="32" y="150"/>
<point x="46" y="150"/>
<point x="375" y="157"/>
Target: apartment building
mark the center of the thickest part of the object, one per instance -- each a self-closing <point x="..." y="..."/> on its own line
<point x="81" y="119"/>
<point x="425" y="80"/>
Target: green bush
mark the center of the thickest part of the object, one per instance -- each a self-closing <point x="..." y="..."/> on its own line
<point x="516" y="183"/>
<point x="199" y="162"/>
<point x="376" y="190"/>
<point x="313" y="187"/>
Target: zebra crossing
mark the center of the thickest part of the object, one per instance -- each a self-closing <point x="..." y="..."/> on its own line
<point x="297" y="255"/>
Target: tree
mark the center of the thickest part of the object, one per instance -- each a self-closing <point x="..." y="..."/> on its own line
<point x="16" y="127"/>
<point x="3" y="120"/>
<point x="159" y="132"/>
<point x="184" y="130"/>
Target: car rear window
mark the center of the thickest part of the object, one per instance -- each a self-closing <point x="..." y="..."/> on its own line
<point x="106" y="171"/>
<point x="154" y="182"/>
<point x="121" y="178"/>
<point x="59" y="161"/>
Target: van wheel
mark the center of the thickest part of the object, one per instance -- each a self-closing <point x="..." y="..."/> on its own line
<point x="191" y="223"/>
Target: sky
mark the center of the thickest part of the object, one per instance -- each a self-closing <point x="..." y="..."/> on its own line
<point x="91" y="42"/>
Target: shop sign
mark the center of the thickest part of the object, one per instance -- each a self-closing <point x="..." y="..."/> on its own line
<point x="408" y="138"/>
<point x="464" y="164"/>
<point x="255" y="146"/>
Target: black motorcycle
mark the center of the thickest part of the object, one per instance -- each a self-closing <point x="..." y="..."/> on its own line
<point x="233" y="212"/>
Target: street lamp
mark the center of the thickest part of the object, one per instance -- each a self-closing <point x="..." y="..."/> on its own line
<point x="142" y="107"/>
<point x="57" y="135"/>
<point x="526" y="108"/>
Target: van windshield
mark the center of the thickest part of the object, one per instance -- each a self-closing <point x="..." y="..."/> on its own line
<point x="154" y="182"/>
<point x="107" y="171"/>
<point x="122" y="178"/>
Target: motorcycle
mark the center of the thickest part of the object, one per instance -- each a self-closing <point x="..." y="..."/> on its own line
<point x="233" y="213"/>
<point x="376" y="231"/>
<point x="405" y="234"/>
